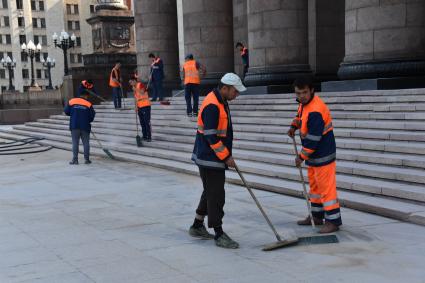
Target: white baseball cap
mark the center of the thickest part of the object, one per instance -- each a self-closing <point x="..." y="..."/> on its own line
<point x="233" y="80"/>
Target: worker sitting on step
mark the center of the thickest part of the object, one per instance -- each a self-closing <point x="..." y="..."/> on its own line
<point x="213" y="155"/>
<point x="143" y="107"/>
<point x="191" y="75"/>
<point x="319" y="152"/>
<point x="81" y="114"/>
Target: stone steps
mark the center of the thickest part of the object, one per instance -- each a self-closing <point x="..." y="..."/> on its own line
<point x="408" y="147"/>
<point x="287" y="171"/>
<point x="406" y="160"/>
<point x="380" y="139"/>
<point x="404" y="211"/>
<point x="337" y="115"/>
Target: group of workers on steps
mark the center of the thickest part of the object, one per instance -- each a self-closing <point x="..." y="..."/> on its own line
<point x="212" y="151"/>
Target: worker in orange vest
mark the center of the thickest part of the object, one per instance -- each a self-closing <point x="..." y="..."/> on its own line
<point x="191" y="76"/>
<point x="115" y="84"/>
<point x="314" y="122"/>
<point x="143" y="104"/>
<point x="213" y="155"/>
<point x="245" y="57"/>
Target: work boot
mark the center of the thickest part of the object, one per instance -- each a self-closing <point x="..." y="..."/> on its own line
<point x="307" y="221"/>
<point x="200" y="232"/>
<point x="87" y="161"/>
<point x="73" y="162"/>
<point x="329" y="227"/>
<point x="224" y="241"/>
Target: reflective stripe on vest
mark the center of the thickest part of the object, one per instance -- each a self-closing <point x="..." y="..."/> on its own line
<point x="191" y="73"/>
<point x="79" y="101"/>
<point x="207" y="163"/>
<point x="113" y="83"/>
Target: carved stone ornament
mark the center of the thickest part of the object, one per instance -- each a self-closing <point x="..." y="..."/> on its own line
<point x="110" y="5"/>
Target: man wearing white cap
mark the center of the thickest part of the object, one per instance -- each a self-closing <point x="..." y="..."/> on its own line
<point x="213" y="155"/>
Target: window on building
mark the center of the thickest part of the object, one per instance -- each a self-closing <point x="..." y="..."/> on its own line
<point x="21" y="22"/>
<point x="69" y="25"/>
<point x="24" y="57"/>
<point x="43" y="23"/>
<point x="9" y="54"/>
<point x="19" y="4"/>
<point x="1" y="55"/>
<point x="26" y="88"/>
<point x="80" y="58"/>
<point x="92" y="9"/>
<point x="8" y="39"/>
<point x="76" y="9"/>
<point x="45" y="55"/>
<point x="4" y="2"/>
<point x="78" y="41"/>
<point x="25" y="74"/>
<point x="77" y="25"/>
<point x="6" y="21"/>
<point x="1" y="39"/>
<point x="72" y="58"/>
<point x="38" y="73"/>
<point x="2" y="73"/>
<point x="44" y="40"/>
<point x="46" y="73"/>
<point x="33" y="8"/>
<point x="36" y="39"/>
<point x="22" y="39"/>
<point x="41" y="5"/>
<point x="37" y="57"/>
<point x="68" y="9"/>
<point x="3" y="88"/>
<point x="34" y="22"/>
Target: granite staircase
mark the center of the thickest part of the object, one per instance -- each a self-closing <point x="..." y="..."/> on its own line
<point x="380" y="139"/>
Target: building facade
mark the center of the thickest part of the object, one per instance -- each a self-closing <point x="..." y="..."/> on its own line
<point x="332" y="39"/>
<point x="37" y="20"/>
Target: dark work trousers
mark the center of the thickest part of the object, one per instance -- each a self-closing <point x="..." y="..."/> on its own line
<point x="213" y="197"/>
<point x="116" y="96"/>
<point x="78" y="134"/>
<point x="245" y="70"/>
<point x="145" y="121"/>
<point x="157" y="90"/>
<point x="189" y="91"/>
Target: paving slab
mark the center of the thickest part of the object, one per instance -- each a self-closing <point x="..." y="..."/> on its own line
<point x="125" y="222"/>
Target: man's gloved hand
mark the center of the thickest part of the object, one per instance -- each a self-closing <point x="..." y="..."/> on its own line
<point x="291" y="132"/>
<point x="230" y="162"/>
<point x="298" y="161"/>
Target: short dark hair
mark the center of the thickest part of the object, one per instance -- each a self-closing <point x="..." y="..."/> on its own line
<point x="304" y="81"/>
<point x="221" y="85"/>
<point x="239" y="44"/>
<point x="151" y="55"/>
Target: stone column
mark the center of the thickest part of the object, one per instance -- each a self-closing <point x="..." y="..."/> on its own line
<point x="156" y="32"/>
<point x="278" y="41"/>
<point x="383" y="39"/>
<point x="208" y="35"/>
<point x="240" y="31"/>
<point x="326" y="37"/>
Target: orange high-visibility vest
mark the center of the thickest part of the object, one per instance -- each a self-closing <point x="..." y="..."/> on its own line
<point x="142" y="97"/>
<point x="79" y="101"/>
<point x="219" y="148"/>
<point x="111" y="82"/>
<point x="191" y="73"/>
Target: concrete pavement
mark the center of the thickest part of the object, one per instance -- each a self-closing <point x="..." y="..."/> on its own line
<point x="122" y="222"/>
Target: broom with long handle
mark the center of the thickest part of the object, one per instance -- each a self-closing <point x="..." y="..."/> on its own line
<point x="304" y="187"/>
